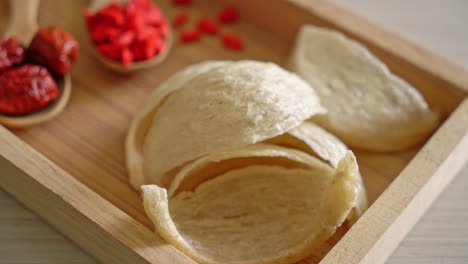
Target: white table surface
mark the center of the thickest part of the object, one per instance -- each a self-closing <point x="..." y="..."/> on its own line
<point x="440" y="237"/>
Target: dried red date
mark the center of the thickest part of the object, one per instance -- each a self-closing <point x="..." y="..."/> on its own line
<point x="11" y="53"/>
<point x="54" y="48"/>
<point x="26" y="89"/>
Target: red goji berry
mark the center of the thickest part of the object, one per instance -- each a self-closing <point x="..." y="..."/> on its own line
<point x="160" y="45"/>
<point x="134" y="20"/>
<point x="110" y="15"/>
<point x="125" y="39"/>
<point x="149" y="49"/>
<point x="228" y="15"/>
<point x="54" y="48"/>
<point x="233" y="42"/>
<point x="11" y="53"/>
<point x="127" y="57"/>
<point x="152" y="14"/>
<point x="137" y="51"/>
<point x="145" y="33"/>
<point x="181" y="2"/>
<point x="87" y="13"/>
<point x="189" y="36"/>
<point x="26" y="89"/>
<point x="113" y="15"/>
<point x="104" y="33"/>
<point x="110" y="50"/>
<point x="206" y="25"/>
<point x="163" y="29"/>
<point x="180" y="19"/>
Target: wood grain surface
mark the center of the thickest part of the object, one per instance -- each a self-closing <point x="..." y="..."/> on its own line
<point x="87" y="139"/>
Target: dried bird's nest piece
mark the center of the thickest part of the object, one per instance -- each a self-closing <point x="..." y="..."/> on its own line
<point x="367" y="106"/>
<point x="249" y="179"/>
<point x="258" y="213"/>
<point x="210" y="108"/>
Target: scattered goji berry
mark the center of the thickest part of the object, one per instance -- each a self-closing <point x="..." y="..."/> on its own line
<point x="54" y="48"/>
<point x="181" y="2"/>
<point x="233" y="42"/>
<point x="228" y="15"/>
<point x="189" y="36"/>
<point x="208" y="26"/>
<point x="11" y="53"/>
<point x="180" y="19"/>
<point x="26" y="89"/>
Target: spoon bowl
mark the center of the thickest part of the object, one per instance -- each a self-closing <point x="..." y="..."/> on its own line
<point x="135" y="66"/>
<point x="45" y="114"/>
<point x="22" y="27"/>
<point x="116" y="66"/>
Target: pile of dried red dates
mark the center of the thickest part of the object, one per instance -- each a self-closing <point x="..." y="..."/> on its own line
<point x="26" y="75"/>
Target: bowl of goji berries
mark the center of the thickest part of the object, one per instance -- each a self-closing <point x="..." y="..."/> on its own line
<point x="33" y="79"/>
<point x="128" y="36"/>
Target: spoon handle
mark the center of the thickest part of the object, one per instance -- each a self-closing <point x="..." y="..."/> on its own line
<point x="23" y="20"/>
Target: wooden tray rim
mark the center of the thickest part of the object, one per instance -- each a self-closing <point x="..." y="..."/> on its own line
<point x="84" y="216"/>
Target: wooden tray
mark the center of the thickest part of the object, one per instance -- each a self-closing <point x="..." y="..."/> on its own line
<point x="71" y="170"/>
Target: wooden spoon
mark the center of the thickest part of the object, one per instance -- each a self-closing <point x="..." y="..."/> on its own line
<point x="23" y="26"/>
<point x="116" y="66"/>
